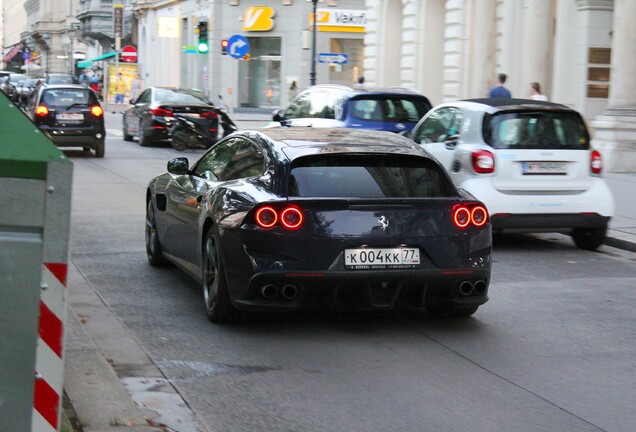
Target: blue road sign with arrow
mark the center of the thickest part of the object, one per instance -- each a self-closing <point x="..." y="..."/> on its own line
<point x="238" y="46"/>
<point x="333" y="58"/>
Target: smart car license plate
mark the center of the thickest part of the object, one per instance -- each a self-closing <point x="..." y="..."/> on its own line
<point x="70" y="117"/>
<point x="543" y="168"/>
<point x="378" y="259"/>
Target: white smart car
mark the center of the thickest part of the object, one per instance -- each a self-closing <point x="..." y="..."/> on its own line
<point x="530" y="162"/>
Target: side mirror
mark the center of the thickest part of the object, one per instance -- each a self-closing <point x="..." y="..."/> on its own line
<point x="451" y="141"/>
<point x="278" y="116"/>
<point x="179" y="166"/>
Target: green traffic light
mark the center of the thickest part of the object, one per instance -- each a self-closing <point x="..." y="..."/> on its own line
<point x="202" y="47"/>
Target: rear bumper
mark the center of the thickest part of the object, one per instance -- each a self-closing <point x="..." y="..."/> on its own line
<point x="596" y="199"/>
<point x="546" y="222"/>
<point x="78" y="137"/>
<point x="364" y="290"/>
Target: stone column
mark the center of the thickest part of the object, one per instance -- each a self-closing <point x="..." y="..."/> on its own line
<point x="615" y="129"/>
<point x="483" y="59"/>
<point x="537" y="34"/>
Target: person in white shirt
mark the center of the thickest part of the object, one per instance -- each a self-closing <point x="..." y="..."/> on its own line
<point x="535" y="92"/>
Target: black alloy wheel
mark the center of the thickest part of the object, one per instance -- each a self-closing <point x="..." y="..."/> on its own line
<point x="153" y="247"/>
<point x="215" y="294"/>
<point x="100" y="149"/>
<point x="143" y="140"/>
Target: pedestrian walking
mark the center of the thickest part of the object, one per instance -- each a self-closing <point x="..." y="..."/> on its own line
<point x="360" y="82"/>
<point x="136" y="87"/>
<point x="535" y="92"/>
<point x="293" y="90"/>
<point x="119" y="93"/>
<point x="499" y="91"/>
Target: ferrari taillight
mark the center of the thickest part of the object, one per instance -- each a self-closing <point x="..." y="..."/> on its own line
<point x="289" y="217"/>
<point x="470" y="214"/>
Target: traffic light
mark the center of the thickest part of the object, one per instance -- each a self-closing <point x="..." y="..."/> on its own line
<point x="202" y="46"/>
<point x="224" y="46"/>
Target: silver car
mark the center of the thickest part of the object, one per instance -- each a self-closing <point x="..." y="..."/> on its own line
<point x="530" y="162"/>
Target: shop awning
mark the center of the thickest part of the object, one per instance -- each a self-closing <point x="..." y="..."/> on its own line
<point x="89" y="62"/>
<point x="16" y="49"/>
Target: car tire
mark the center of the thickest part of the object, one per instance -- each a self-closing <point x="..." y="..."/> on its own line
<point x="153" y="247"/>
<point x="143" y="140"/>
<point x="589" y="238"/>
<point x="452" y="312"/>
<point x="100" y="149"/>
<point x="127" y="136"/>
<point x="218" y="305"/>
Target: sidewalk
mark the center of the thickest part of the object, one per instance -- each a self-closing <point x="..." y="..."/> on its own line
<point x="622" y="227"/>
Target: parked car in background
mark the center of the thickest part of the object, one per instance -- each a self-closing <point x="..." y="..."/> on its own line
<point x="10" y="85"/>
<point x="530" y="162"/>
<point x="151" y="116"/>
<point x="60" y="78"/>
<point x="285" y="219"/>
<point x="25" y="88"/>
<point x="391" y="109"/>
<point x="70" y="115"/>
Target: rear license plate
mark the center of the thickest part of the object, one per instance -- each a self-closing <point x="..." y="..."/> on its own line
<point x="378" y="259"/>
<point x="70" y="117"/>
<point x="543" y="168"/>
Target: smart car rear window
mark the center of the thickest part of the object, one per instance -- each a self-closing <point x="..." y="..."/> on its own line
<point x="536" y="130"/>
<point x="368" y="176"/>
<point x="389" y="109"/>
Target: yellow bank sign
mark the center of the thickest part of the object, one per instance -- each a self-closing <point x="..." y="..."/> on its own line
<point x="341" y="20"/>
<point x="258" y="18"/>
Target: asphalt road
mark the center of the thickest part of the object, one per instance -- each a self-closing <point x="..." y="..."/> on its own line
<point x="554" y="349"/>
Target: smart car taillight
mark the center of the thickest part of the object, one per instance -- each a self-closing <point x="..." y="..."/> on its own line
<point x="289" y="217"/>
<point x="97" y="111"/>
<point x="483" y="162"/>
<point x="596" y="162"/>
<point x="161" y="112"/>
<point x="469" y="214"/>
<point x="41" y="111"/>
<point x="266" y="217"/>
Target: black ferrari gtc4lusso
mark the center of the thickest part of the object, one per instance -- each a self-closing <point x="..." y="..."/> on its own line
<point x="285" y="219"/>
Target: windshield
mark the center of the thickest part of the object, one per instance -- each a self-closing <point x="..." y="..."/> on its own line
<point x="537" y="130"/>
<point x="167" y="95"/>
<point x="389" y="108"/>
<point x="368" y="176"/>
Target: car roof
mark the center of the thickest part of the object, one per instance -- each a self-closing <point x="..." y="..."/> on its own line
<point x="302" y="141"/>
<point x="510" y="104"/>
<point x="62" y="86"/>
<point x="367" y="90"/>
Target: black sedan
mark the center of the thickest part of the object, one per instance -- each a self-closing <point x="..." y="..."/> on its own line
<point x="152" y="114"/>
<point x="285" y="219"/>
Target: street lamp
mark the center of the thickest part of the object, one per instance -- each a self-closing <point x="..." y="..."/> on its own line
<point x="312" y="75"/>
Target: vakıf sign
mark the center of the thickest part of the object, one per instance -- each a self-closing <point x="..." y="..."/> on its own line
<point x="341" y="20"/>
<point x="258" y="18"/>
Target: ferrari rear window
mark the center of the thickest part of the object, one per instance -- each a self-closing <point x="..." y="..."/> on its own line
<point x="368" y="176"/>
<point x="554" y="130"/>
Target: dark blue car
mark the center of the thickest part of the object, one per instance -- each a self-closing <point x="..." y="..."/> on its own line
<point x="393" y="109"/>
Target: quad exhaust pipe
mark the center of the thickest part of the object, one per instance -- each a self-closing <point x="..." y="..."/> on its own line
<point x="467" y="288"/>
<point x="288" y="292"/>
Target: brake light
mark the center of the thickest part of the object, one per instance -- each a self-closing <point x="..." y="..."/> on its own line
<point x="596" y="162"/>
<point x="161" y="112"/>
<point x="210" y="115"/>
<point x="41" y="111"/>
<point x="97" y="111"/>
<point x="290" y="217"/>
<point x="483" y="162"/>
<point x="470" y="214"/>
